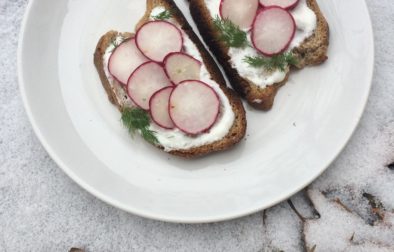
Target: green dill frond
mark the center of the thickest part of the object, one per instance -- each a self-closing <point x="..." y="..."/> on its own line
<point x="164" y="15"/>
<point x="149" y="136"/>
<point x="230" y="33"/>
<point x="136" y="119"/>
<point x="280" y="61"/>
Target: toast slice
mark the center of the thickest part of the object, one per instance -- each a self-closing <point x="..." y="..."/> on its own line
<point x="312" y="51"/>
<point x="118" y="95"/>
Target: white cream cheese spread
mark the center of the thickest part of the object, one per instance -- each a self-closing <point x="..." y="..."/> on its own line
<point x="107" y="55"/>
<point x="157" y="10"/>
<point x="175" y="139"/>
<point x="306" y="22"/>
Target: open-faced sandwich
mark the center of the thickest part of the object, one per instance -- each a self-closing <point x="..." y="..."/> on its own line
<point x="167" y="86"/>
<point x="258" y="41"/>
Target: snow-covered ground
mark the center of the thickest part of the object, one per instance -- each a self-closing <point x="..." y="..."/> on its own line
<point x="349" y="208"/>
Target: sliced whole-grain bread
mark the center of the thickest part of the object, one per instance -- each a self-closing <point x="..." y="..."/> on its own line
<point x="312" y="51"/>
<point x="118" y="96"/>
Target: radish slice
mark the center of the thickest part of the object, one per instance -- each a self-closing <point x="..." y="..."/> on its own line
<point x="146" y="80"/>
<point x="156" y="39"/>
<point x="286" y="4"/>
<point x="159" y="108"/>
<point x="241" y="13"/>
<point x="273" y="30"/>
<point x="194" y="107"/>
<point x="180" y="67"/>
<point x="124" y="60"/>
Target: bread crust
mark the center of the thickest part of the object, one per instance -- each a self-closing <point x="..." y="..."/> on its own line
<point x="238" y="129"/>
<point x="312" y="51"/>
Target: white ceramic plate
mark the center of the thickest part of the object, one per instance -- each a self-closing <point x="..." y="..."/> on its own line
<point x="314" y="116"/>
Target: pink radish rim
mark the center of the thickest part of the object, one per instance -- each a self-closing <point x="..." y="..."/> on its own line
<point x="217" y="114"/>
<point x="220" y="9"/>
<point x="131" y="75"/>
<point x="150" y="105"/>
<point x="157" y="21"/>
<point x="290" y="7"/>
<point x="112" y="53"/>
<point x="291" y="38"/>
<point x="221" y="15"/>
<point x="177" y="53"/>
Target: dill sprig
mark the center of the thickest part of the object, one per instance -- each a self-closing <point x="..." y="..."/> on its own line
<point x="280" y="61"/>
<point x="230" y="33"/>
<point x="164" y="15"/>
<point x="136" y="119"/>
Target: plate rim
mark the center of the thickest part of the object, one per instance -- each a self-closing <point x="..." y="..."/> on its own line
<point x="209" y="219"/>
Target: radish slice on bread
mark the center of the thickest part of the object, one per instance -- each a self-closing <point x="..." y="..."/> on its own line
<point x="124" y="60"/>
<point x="273" y="30"/>
<point x="241" y="13"/>
<point x="194" y="107"/>
<point x="180" y="67"/>
<point x="146" y="80"/>
<point x="286" y="4"/>
<point x="159" y="108"/>
<point x="157" y="39"/>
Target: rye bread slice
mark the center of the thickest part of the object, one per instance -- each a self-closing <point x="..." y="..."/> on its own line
<point x="118" y="96"/>
<point x="312" y="51"/>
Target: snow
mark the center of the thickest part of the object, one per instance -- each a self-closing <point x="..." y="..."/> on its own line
<point x="341" y="230"/>
<point x="41" y="209"/>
